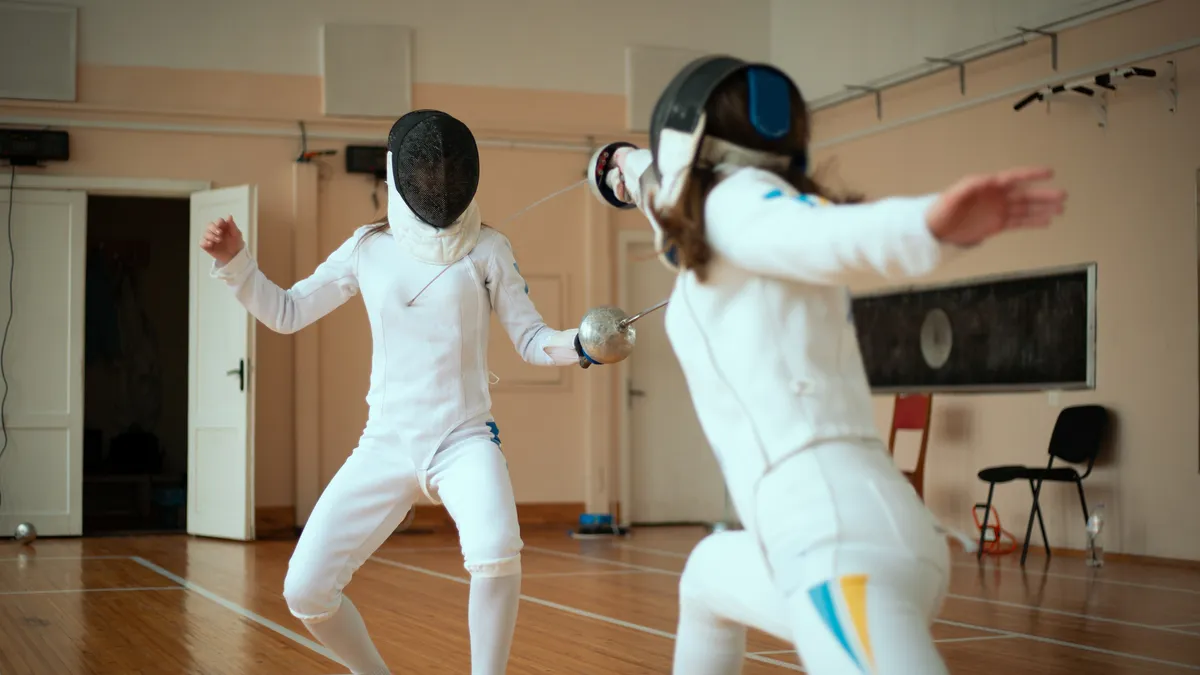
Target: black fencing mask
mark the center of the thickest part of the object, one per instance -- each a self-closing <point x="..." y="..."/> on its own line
<point x="434" y="166"/>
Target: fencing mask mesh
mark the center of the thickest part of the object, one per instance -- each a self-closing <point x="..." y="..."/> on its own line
<point x="435" y="165"/>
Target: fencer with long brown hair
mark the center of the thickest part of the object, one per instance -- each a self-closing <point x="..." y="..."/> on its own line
<point x="839" y="555"/>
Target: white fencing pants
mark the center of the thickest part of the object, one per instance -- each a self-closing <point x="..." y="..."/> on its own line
<point x="845" y="561"/>
<point x="369" y="497"/>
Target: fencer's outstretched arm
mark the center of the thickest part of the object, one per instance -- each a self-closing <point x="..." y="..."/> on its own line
<point x="537" y="343"/>
<point x="329" y="287"/>
<point x="754" y="224"/>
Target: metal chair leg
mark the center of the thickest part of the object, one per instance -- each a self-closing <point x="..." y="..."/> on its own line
<point x="1034" y="512"/>
<point x="987" y="511"/>
<point x="1083" y="501"/>
<point x="1042" y="524"/>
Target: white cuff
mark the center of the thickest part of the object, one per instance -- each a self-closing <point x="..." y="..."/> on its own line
<point x="943" y="252"/>
<point x="561" y="347"/>
<point x="235" y="269"/>
<point x="635" y="164"/>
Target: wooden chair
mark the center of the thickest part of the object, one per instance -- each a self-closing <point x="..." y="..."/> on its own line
<point x="912" y="412"/>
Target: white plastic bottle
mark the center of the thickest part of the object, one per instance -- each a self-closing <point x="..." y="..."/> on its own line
<point x="1095" y="549"/>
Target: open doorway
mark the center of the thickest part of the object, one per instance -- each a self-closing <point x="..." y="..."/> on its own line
<point x="654" y="457"/>
<point x="136" y="365"/>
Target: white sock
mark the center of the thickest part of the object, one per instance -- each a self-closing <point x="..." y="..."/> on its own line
<point x="492" y="617"/>
<point x="345" y="634"/>
<point x="706" y="644"/>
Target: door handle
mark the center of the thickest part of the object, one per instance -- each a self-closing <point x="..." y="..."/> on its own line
<point x="240" y="371"/>
<point x="633" y="393"/>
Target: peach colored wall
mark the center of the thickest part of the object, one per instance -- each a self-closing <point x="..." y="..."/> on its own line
<point x="541" y="423"/>
<point x="1132" y="210"/>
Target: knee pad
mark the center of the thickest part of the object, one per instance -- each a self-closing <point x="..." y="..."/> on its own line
<point x="494" y="554"/>
<point x="702" y="565"/>
<point x="309" y="598"/>
<point x="496" y="567"/>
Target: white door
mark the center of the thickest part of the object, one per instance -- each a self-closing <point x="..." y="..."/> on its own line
<point x="673" y="475"/>
<point x="41" y="469"/>
<point x="220" y="490"/>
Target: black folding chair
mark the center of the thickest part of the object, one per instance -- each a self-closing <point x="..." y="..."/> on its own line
<point x="1076" y="439"/>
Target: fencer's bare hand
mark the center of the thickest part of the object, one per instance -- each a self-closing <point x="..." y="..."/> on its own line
<point x="980" y="207"/>
<point x="222" y="240"/>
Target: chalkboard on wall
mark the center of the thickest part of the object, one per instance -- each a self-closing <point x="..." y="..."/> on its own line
<point x="1031" y="331"/>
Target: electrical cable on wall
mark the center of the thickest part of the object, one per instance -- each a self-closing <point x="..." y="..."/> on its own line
<point x="307" y="155"/>
<point x="12" y="266"/>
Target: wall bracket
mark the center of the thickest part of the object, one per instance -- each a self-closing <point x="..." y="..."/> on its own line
<point x="1170" y="87"/>
<point x="962" y="71"/>
<point x="871" y="90"/>
<point x="1053" y="43"/>
<point x="1100" y="108"/>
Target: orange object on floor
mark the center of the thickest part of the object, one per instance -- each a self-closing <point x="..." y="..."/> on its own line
<point x="1002" y="542"/>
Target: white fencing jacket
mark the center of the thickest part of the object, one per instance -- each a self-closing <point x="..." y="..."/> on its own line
<point x="429" y="369"/>
<point x="767" y="344"/>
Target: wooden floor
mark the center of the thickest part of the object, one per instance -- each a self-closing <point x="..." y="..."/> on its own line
<point x="167" y="605"/>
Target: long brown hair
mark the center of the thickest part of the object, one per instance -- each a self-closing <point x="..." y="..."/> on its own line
<point x="375" y="228"/>
<point x="727" y="118"/>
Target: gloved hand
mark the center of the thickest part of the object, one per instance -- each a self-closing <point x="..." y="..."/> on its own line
<point x="606" y="176"/>
<point x="585" y="361"/>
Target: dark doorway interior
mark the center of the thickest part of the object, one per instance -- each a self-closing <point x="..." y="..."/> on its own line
<point x="136" y="366"/>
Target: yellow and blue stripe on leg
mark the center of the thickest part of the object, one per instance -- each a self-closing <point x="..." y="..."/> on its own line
<point x="842" y="605"/>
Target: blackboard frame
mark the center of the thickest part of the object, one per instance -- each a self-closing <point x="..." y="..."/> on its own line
<point x="1089" y="383"/>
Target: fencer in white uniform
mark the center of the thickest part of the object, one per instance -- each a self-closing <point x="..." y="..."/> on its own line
<point x="839" y="555"/>
<point x="429" y="278"/>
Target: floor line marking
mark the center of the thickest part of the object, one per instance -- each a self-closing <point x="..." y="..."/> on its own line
<point x="958" y="639"/>
<point x="1053" y="575"/>
<point x="1078" y="577"/>
<point x="33" y="557"/>
<point x="572" y="610"/>
<point x="238" y="609"/>
<point x="1027" y="636"/>
<point x="95" y="590"/>
<point x="1002" y="603"/>
<point x="1063" y="612"/>
<point x="539" y="575"/>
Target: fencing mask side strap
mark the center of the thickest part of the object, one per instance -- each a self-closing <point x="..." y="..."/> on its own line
<point x="678" y="123"/>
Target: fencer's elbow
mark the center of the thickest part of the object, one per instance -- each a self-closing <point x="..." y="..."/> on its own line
<point x="280" y="327"/>
<point x="286" y="323"/>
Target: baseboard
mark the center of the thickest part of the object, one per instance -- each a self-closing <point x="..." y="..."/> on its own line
<point x="275" y="522"/>
<point x="531" y="516"/>
<point x="1039" y="551"/>
<point x="279" y="522"/>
